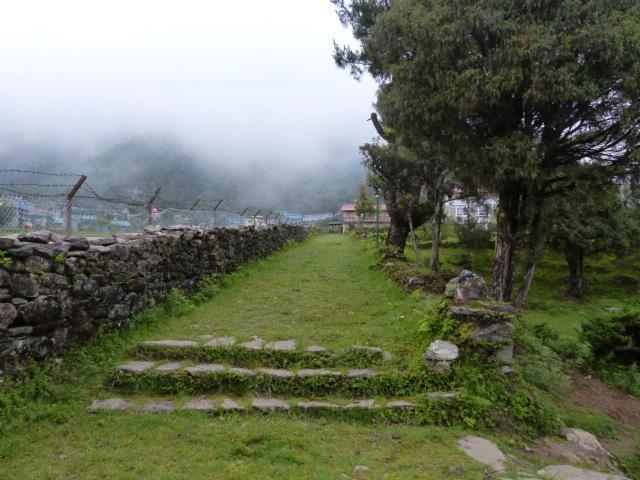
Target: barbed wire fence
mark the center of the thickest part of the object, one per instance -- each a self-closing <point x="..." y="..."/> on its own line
<point x="67" y="204"/>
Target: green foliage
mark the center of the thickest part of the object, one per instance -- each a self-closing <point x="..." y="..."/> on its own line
<point x="364" y="204"/>
<point x="177" y="304"/>
<point x="4" y="259"/>
<point x="614" y="336"/>
<point x="473" y="234"/>
<point x="59" y="258"/>
<point x="597" y="423"/>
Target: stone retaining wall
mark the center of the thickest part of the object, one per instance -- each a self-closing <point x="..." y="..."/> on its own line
<point x="56" y="291"/>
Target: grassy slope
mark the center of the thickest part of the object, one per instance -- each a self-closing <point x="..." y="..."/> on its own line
<point x="322" y="291"/>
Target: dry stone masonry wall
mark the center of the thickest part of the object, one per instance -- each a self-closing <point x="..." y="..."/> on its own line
<point x="56" y="291"/>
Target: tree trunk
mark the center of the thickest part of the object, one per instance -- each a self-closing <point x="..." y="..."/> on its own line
<point x="535" y="247"/>
<point x="416" y="248"/>
<point x="574" y="256"/>
<point x="434" y="260"/>
<point x="398" y="233"/>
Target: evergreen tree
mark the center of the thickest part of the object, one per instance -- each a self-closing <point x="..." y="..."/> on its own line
<point x="364" y="204"/>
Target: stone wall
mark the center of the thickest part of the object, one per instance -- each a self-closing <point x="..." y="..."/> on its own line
<point x="55" y="292"/>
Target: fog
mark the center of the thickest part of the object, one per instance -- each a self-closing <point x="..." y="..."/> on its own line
<point x="249" y="84"/>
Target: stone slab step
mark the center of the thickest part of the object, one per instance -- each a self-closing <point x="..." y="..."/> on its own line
<point x="411" y="410"/>
<point x="278" y="353"/>
<point x="174" y="377"/>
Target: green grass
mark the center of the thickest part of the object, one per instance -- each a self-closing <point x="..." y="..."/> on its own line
<point x="325" y="291"/>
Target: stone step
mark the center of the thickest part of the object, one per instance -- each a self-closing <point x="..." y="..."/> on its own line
<point x="179" y="377"/>
<point x="420" y="410"/>
<point x="256" y="351"/>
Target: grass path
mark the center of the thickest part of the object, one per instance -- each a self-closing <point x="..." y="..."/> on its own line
<point x="324" y="292"/>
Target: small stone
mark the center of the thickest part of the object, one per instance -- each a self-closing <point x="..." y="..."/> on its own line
<point x="317" y="372"/>
<point x="110" y="404"/>
<point x="8" y="314"/>
<point x="200" y="406"/>
<point x="386" y="356"/>
<point x="443" y="367"/>
<point x="506" y="370"/>
<point x="243" y="371"/>
<point x="361" y="373"/>
<point x="276" y="373"/>
<point x="442" y="395"/>
<point x="315" y="349"/>
<point x="313" y="405"/>
<point x="269" y="404"/>
<point x="401" y="405"/>
<point x="255" y="344"/>
<point x="282" y="345"/>
<point x="361" y="468"/>
<point x="373" y="351"/>
<point x="229" y="405"/>
<point x="495" y="333"/>
<point x="505" y="354"/>
<point x="365" y="404"/>
<point x="206" y="368"/>
<point x="170" y="343"/>
<point x="568" y="472"/>
<point x="159" y="406"/>
<point x="221" y="342"/>
<point x="135" y="367"/>
<point x="442" y="350"/>
<point x="171" y="367"/>
<point x="483" y="451"/>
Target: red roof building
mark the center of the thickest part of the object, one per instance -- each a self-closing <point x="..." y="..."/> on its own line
<point x="350" y="219"/>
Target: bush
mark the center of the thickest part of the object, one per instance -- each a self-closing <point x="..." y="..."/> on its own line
<point x="614" y="336"/>
<point x="472" y="234"/>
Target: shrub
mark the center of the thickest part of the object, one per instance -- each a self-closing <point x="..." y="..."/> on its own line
<point x="472" y="234"/>
<point x="614" y="336"/>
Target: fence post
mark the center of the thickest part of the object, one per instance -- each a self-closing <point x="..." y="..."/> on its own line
<point x="69" y="205"/>
<point x="213" y="215"/>
<point x="150" y="204"/>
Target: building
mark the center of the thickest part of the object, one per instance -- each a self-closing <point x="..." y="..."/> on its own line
<point x="350" y="219"/>
<point x="463" y="209"/>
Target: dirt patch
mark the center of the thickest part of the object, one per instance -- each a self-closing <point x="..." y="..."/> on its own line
<point x="589" y="393"/>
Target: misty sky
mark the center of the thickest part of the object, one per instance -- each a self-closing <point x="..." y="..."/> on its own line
<point x="247" y="79"/>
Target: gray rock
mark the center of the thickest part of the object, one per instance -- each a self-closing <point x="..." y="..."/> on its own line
<point x="46" y="251"/>
<point x="42" y="236"/>
<point x="158" y="406"/>
<point x="466" y="286"/>
<point x="442" y="395"/>
<point x="276" y="373"/>
<point x="483" y="451"/>
<point x="171" y="343"/>
<point x="206" y="368"/>
<point x="441" y="350"/>
<point x="567" y="472"/>
<point x="506" y="370"/>
<point x="102" y="241"/>
<point x="269" y="404"/>
<point x="242" y="371"/>
<point x="587" y="444"/>
<point x="317" y="372"/>
<point x="315" y="349"/>
<point x="171" y="367"/>
<point x="282" y="346"/>
<point x="361" y="404"/>
<point x="221" y="342"/>
<point x="229" y="405"/>
<point x="7" y="242"/>
<point x="110" y="404"/>
<point x="373" y="351"/>
<point x="135" y="367"/>
<point x="5" y="279"/>
<point x="361" y="373"/>
<point x="314" y="405"/>
<point x="25" y="285"/>
<point x="495" y="333"/>
<point x="361" y="468"/>
<point x="77" y="244"/>
<point x="442" y="367"/>
<point x="386" y="356"/>
<point x="8" y="314"/>
<point x="256" y="344"/>
<point x="401" y="405"/>
<point x="17" y="331"/>
<point x="200" y="406"/>
<point x="505" y="354"/>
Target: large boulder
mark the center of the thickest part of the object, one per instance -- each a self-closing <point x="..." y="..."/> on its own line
<point x="466" y="286"/>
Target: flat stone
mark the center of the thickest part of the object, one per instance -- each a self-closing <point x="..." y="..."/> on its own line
<point x="568" y="472"/>
<point x="42" y="236"/>
<point x="587" y="443"/>
<point x="135" y="366"/>
<point x="315" y="349"/>
<point x="495" y="333"/>
<point x="246" y="372"/>
<point x="171" y="343"/>
<point x="200" y="406"/>
<point x="366" y="404"/>
<point x="373" y="351"/>
<point x="158" y="406"/>
<point x="317" y="372"/>
<point x="313" y="405"/>
<point x="386" y="356"/>
<point x="255" y="344"/>
<point x="8" y="314"/>
<point x="221" y="342"/>
<point x="206" y="368"/>
<point x="269" y="404"/>
<point x="505" y="354"/>
<point x="361" y="468"/>
<point x="443" y="367"/>
<point x="276" y="373"/>
<point x="110" y="404"/>
<point x="442" y="350"/>
<point x="401" y="405"/>
<point x="483" y="451"/>
<point x="170" y="367"/>
<point x="506" y="370"/>
<point x="442" y="395"/>
<point x="229" y="405"/>
<point x="282" y="345"/>
<point x="361" y="373"/>
<point x="466" y="311"/>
